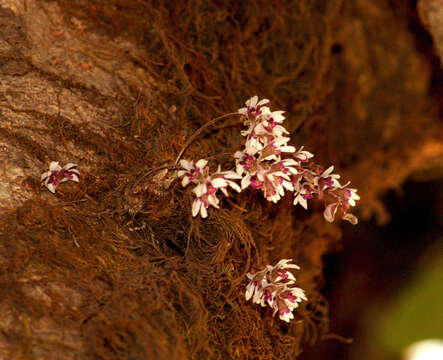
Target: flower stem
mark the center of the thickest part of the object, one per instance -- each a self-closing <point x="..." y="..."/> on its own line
<point x="197" y="133"/>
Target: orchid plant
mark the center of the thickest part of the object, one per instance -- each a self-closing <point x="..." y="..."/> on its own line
<point x="265" y="163"/>
<point x="268" y="164"/>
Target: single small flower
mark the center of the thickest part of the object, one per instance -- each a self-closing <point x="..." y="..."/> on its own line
<point x="244" y="161"/>
<point x="330" y="211"/>
<point x="269" y="125"/>
<point x="326" y="180"/>
<point x="254" y="107"/>
<point x="346" y="198"/>
<point x="274" y="185"/>
<point x="256" y="286"/>
<point x="202" y="203"/>
<point x="223" y="180"/>
<point x="273" y="150"/>
<point x="285" y="300"/>
<point x="302" y="155"/>
<point x="57" y="174"/>
<point x="208" y="185"/>
<point x="302" y="193"/>
<point x="279" y="271"/>
<point x="205" y="193"/>
<point x="192" y="172"/>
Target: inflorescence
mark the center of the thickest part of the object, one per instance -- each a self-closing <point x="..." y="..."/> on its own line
<point x="273" y="287"/>
<point x="260" y="165"/>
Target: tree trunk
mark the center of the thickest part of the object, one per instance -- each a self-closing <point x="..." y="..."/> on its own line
<point x="115" y="267"/>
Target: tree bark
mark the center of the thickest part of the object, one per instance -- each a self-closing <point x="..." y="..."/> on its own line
<point x="115" y="266"/>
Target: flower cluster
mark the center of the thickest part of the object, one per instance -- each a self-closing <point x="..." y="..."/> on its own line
<point x="207" y="184"/>
<point x="57" y="174"/>
<point x="273" y="287"/>
<point x="260" y="165"/>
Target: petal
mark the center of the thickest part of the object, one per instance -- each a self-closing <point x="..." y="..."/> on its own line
<point x="201" y="163"/>
<point x="69" y="166"/>
<point x="250" y="276"/>
<point x="329" y="213"/>
<point x="238" y="154"/>
<point x="231" y="175"/>
<point x="203" y="211"/>
<point x="289" y="162"/>
<point x="186" y="164"/>
<point x="287" y="316"/>
<point x="234" y="186"/>
<point x="243" y="111"/>
<point x="54" y="166"/>
<point x="351" y="218"/>
<point x="300" y="200"/>
<point x="249" y="291"/>
<point x="185" y="181"/>
<point x="287" y="149"/>
<point x="212" y="199"/>
<point x="199" y="190"/>
<point x="292" y="266"/>
<point x="246" y="181"/>
<point x="271" y="157"/>
<point x="262" y="102"/>
<point x="180" y="173"/>
<point x="258" y="294"/>
<point x="75" y="178"/>
<point x="282" y="263"/>
<point x="196" y="207"/>
<point x="45" y="175"/>
<point x="252" y="101"/>
<point x="219" y="182"/>
<point x="281" y="129"/>
<point x="278" y="116"/>
<point x="290" y="276"/>
<point x="51" y="188"/>
<point x="299" y="293"/>
<point x="288" y="185"/>
<point x="327" y="171"/>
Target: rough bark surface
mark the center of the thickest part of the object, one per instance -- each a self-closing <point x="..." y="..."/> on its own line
<point x="115" y="267"/>
<point x="431" y="13"/>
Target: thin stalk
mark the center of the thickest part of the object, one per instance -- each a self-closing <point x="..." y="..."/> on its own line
<point x="185" y="146"/>
<point x="197" y="133"/>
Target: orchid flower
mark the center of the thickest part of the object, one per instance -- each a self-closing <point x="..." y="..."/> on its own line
<point x="57" y="174"/>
